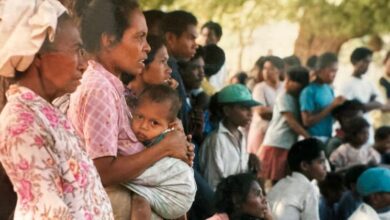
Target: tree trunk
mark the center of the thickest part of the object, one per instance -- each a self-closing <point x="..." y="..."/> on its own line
<point x="309" y="43"/>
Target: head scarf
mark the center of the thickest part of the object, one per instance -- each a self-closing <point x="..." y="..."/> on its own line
<point x="24" y="26"/>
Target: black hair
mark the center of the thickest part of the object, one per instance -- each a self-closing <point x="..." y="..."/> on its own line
<point x="214" y="58"/>
<point x="292" y="61"/>
<point x="233" y="189"/>
<point x="299" y="74"/>
<point x="155" y="43"/>
<point x="160" y="94"/>
<point x="332" y="182"/>
<point x="177" y="22"/>
<point x="382" y="133"/>
<point x="347" y="107"/>
<point x="277" y="62"/>
<point x="215" y="27"/>
<point x="326" y="60"/>
<point x="311" y="62"/>
<point x="101" y="16"/>
<point x="153" y="19"/>
<point x="354" y="126"/>
<point x="216" y="114"/>
<point x="304" y="151"/>
<point x="241" y="77"/>
<point x="353" y="173"/>
<point x="360" y="53"/>
<point x="183" y="65"/>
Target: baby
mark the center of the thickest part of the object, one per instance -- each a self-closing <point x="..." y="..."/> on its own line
<point x="169" y="185"/>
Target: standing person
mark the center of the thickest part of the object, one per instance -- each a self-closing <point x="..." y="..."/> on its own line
<point x="223" y="152"/>
<point x="285" y="127"/>
<point x="40" y="151"/>
<point x="265" y="93"/>
<point x="115" y="33"/>
<point x="179" y="28"/>
<point x="382" y="118"/>
<point x="374" y="186"/>
<point x="317" y="99"/>
<point x="294" y="197"/>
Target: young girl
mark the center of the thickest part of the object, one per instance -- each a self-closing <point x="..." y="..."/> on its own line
<point x="266" y="93"/>
<point x="285" y="126"/>
<point x="355" y="150"/>
<point x="240" y="197"/>
<point x="223" y="152"/>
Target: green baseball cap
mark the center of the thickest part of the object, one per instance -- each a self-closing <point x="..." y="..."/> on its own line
<point x="236" y="94"/>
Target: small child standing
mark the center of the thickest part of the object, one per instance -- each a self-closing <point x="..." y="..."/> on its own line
<point x="355" y="150"/>
<point x="285" y="126"/>
<point x="169" y="185"/>
<point x="382" y="143"/>
<point x="223" y="152"/>
<point x="295" y="197"/>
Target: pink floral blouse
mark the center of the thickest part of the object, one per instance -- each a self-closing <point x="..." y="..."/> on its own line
<point x="40" y="152"/>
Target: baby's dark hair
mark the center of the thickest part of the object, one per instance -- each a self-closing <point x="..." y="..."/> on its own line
<point x="304" y="151"/>
<point x="354" y="126"/>
<point x="162" y="93"/>
<point x="382" y="133"/>
<point x="332" y="182"/>
<point x="299" y="74"/>
<point x="347" y="107"/>
<point x="353" y="173"/>
<point x="233" y="189"/>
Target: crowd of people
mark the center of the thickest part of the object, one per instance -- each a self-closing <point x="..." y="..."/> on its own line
<point x="111" y="112"/>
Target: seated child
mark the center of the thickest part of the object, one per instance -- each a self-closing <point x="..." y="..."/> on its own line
<point x="223" y="152"/>
<point x="285" y="126"/>
<point x="351" y="199"/>
<point x="343" y="114"/>
<point x="382" y="143"/>
<point x="374" y="186"/>
<point x="295" y="197"/>
<point x="331" y="189"/>
<point x="169" y="184"/>
<point x="355" y="150"/>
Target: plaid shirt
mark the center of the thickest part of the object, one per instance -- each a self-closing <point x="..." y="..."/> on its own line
<point x="100" y="115"/>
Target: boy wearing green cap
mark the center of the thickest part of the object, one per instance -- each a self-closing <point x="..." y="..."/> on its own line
<point x="223" y="152"/>
<point x="374" y="186"/>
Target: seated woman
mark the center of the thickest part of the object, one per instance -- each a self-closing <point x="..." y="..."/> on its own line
<point x="40" y="152"/>
<point x="240" y="197"/>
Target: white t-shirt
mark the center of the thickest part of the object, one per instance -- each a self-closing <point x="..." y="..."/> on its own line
<point x="366" y="212"/>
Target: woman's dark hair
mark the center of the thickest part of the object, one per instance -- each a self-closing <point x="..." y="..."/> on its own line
<point x="326" y="60"/>
<point x="155" y="42"/>
<point x="292" y="61"/>
<point x="276" y="62"/>
<point x="105" y="16"/>
<point x="299" y="74"/>
<point x="311" y="62"/>
<point x="233" y="189"/>
<point x="304" y="151"/>
<point x="153" y="19"/>
<point x="348" y="108"/>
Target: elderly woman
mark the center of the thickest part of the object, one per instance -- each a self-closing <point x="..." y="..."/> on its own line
<point x="115" y="33"/>
<point x="40" y="152"/>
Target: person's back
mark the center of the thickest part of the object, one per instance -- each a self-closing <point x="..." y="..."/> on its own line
<point x="294" y="197"/>
<point x="169" y="184"/>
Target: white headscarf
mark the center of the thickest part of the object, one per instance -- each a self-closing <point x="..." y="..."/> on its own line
<point x="24" y="26"/>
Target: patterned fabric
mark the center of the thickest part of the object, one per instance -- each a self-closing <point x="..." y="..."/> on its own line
<point x="53" y="177"/>
<point x="100" y="115"/>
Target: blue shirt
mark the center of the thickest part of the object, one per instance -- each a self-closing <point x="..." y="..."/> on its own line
<point x="347" y="205"/>
<point x="313" y="99"/>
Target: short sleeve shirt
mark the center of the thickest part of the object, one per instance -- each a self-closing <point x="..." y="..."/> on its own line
<point x="313" y="99"/>
<point x="100" y="115"/>
<point x="279" y="133"/>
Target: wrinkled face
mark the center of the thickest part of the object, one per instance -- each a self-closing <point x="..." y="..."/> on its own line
<point x="361" y="66"/>
<point x="317" y="169"/>
<point x="208" y="36"/>
<point x="238" y="115"/>
<point x="183" y="47"/>
<point x="129" y="53"/>
<point x="150" y="119"/>
<point x="328" y="74"/>
<point x="63" y="65"/>
<point x="193" y="74"/>
<point x="158" y="70"/>
<point x="270" y="72"/>
<point x="255" y="202"/>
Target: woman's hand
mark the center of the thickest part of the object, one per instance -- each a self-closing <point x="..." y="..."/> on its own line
<point x="178" y="146"/>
